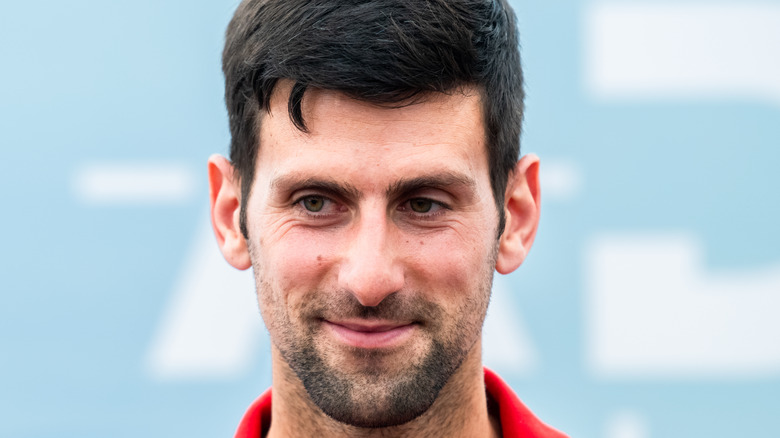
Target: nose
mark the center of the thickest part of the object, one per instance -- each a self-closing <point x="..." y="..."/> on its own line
<point x="370" y="268"/>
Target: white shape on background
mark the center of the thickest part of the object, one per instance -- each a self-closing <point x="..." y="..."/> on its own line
<point x="212" y="324"/>
<point x="626" y="424"/>
<point x="654" y="311"/>
<point x="506" y="346"/>
<point x="560" y="180"/>
<point x="704" y="51"/>
<point x="126" y="183"/>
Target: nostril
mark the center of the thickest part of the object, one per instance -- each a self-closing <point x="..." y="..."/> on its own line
<point x="371" y="282"/>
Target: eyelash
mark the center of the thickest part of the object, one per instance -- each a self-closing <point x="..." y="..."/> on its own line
<point x="438" y="207"/>
<point x="305" y="211"/>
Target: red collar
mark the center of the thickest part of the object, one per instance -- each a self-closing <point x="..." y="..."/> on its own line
<point x="516" y="419"/>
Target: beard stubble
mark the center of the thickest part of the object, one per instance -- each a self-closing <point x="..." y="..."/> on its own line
<point x="373" y="396"/>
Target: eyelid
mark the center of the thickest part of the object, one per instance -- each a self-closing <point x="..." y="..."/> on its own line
<point x="298" y="203"/>
<point x="441" y="207"/>
<point x="332" y="209"/>
<point x="322" y="192"/>
<point x="295" y="188"/>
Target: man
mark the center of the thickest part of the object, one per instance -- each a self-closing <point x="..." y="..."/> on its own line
<point x="374" y="187"/>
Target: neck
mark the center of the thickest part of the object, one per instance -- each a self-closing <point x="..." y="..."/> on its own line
<point x="460" y="410"/>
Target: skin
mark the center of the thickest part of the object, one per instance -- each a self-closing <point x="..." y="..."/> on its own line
<point x="373" y="242"/>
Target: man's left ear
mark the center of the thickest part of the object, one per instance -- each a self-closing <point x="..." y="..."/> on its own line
<point x="521" y="207"/>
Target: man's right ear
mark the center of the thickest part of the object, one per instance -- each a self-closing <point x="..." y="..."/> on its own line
<point x="224" y="194"/>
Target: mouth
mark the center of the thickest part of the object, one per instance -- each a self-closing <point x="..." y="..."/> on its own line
<point x="371" y="334"/>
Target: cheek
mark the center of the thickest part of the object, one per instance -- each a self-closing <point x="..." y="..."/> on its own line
<point x="289" y="272"/>
<point x="297" y="264"/>
<point x="452" y="267"/>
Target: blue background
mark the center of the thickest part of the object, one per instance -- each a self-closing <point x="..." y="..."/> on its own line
<point x="84" y="286"/>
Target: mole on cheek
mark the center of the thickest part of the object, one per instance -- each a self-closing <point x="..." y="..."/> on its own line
<point x="319" y="259"/>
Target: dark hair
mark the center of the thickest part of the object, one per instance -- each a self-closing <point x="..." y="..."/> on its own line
<point x="380" y="51"/>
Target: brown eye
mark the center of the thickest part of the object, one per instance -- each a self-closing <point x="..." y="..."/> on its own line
<point x="420" y="205"/>
<point x="313" y="203"/>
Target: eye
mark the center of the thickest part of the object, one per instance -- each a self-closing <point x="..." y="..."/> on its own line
<point x="421" y="205"/>
<point x="313" y="203"/>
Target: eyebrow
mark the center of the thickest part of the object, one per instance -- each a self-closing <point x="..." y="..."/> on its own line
<point x="294" y="182"/>
<point x="437" y="180"/>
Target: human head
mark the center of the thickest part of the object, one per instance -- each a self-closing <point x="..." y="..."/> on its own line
<point x="382" y="51"/>
<point x="372" y="241"/>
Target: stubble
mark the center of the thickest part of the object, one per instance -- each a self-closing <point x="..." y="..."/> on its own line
<point x="372" y="388"/>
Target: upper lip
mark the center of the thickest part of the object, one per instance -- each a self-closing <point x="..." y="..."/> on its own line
<point x="370" y="326"/>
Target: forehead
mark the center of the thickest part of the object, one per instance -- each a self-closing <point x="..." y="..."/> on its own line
<point x="440" y="132"/>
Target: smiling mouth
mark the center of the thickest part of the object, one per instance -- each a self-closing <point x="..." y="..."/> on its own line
<point x="371" y="334"/>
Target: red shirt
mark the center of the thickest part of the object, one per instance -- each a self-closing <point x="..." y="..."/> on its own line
<point x="516" y="420"/>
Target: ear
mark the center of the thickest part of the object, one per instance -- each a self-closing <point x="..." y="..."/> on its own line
<point x="521" y="207"/>
<point x="224" y="194"/>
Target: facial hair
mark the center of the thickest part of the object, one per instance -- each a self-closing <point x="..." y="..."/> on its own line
<point x="380" y="392"/>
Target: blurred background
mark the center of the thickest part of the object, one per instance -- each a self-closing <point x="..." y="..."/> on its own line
<point x="647" y="308"/>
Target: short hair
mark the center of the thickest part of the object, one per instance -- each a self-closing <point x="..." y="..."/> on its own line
<point x="380" y="51"/>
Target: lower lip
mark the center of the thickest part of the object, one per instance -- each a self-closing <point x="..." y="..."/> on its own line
<point x="384" y="339"/>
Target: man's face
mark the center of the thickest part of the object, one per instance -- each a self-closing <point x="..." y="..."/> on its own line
<point x="373" y="241"/>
